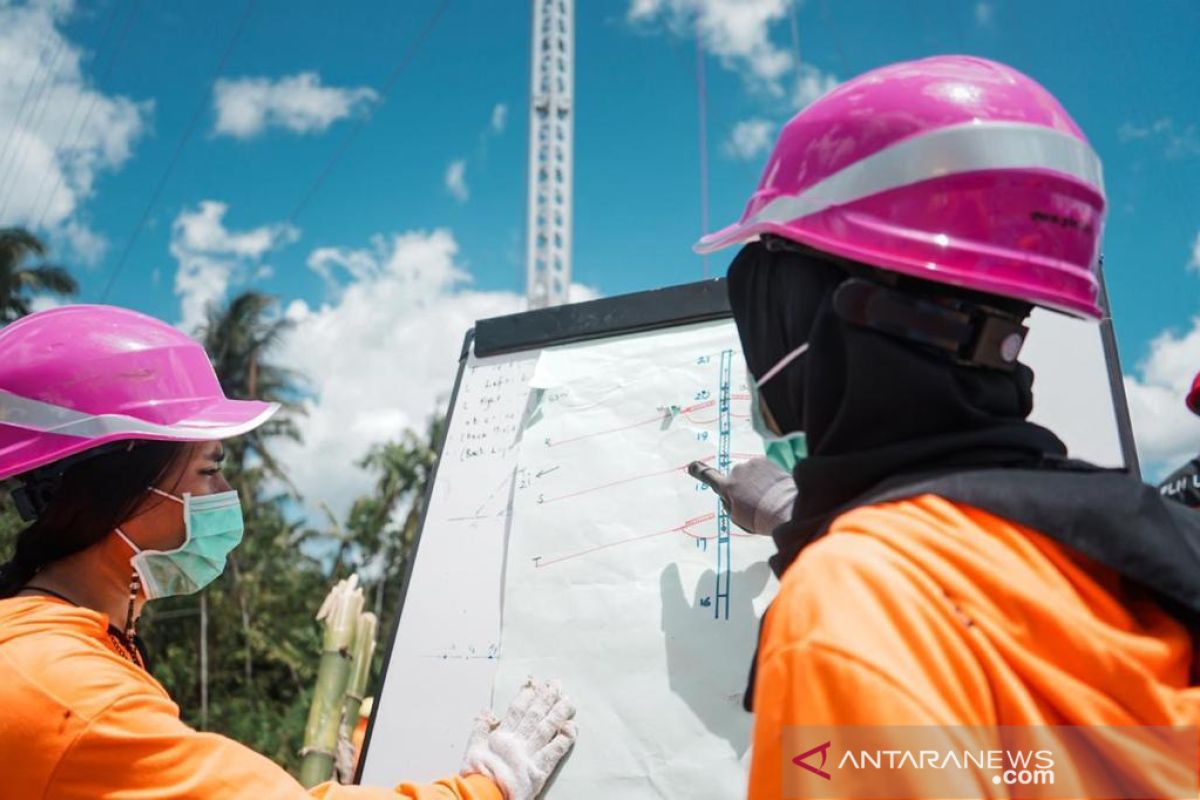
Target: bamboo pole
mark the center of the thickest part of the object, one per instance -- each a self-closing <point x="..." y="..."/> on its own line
<point x="340" y="613"/>
<point x="360" y="671"/>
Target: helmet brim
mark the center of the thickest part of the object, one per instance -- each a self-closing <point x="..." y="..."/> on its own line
<point x="736" y="233"/>
<point x="25" y="449"/>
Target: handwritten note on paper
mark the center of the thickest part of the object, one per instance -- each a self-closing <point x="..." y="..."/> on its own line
<point x="445" y="654"/>
<point x="491" y="406"/>
<point x="625" y="578"/>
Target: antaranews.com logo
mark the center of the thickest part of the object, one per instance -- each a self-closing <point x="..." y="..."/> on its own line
<point x="1035" y="762"/>
<point x="1012" y="768"/>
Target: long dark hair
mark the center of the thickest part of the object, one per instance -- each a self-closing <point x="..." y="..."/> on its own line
<point x="92" y="497"/>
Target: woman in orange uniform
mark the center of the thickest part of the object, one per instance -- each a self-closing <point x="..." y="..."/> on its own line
<point x="945" y="563"/>
<point x="112" y="422"/>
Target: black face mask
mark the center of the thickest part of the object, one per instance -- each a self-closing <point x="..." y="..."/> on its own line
<point x="775" y="302"/>
<point x="872" y="405"/>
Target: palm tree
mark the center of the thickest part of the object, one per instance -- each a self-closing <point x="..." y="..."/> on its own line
<point x="239" y="339"/>
<point x="18" y="281"/>
<point x="405" y="470"/>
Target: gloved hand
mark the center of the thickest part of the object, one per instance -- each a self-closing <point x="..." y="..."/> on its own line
<point x="757" y="494"/>
<point x="520" y="752"/>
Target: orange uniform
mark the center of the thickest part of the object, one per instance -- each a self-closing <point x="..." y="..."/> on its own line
<point x="77" y="720"/>
<point x="927" y="612"/>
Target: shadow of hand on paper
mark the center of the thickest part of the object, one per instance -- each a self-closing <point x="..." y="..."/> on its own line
<point x="708" y="659"/>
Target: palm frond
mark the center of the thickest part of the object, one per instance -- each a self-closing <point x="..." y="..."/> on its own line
<point x="47" y="278"/>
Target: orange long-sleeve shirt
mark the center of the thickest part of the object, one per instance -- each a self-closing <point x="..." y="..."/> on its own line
<point x="923" y="612"/>
<point x="79" y="721"/>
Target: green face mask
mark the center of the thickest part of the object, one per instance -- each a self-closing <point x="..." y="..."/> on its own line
<point x="214" y="528"/>
<point x="786" y="450"/>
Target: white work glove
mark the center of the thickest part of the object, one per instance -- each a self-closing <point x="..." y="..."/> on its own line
<point x="520" y="752"/>
<point x="757" y="494"/>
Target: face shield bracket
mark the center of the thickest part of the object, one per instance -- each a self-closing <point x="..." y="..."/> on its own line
<point x="969" y="333"/>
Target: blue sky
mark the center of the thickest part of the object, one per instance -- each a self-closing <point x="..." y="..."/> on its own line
<point x="1126" y="71"/>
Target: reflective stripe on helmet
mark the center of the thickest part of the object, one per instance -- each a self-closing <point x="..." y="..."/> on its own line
<point x="953" y="150"/>
<point x="34" y="415"/>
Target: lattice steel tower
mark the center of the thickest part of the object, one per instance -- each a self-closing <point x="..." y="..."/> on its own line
<point x="551" y="141"/>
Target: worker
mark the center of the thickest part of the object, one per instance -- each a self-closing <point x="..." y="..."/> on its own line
<point x="1184" y="483"/>
<point x="943" y="562"/>
<point x="112" y="423"/>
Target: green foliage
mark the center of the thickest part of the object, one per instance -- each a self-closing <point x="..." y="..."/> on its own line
<point x="10" y="526"/>
<point x="19" y="280"/>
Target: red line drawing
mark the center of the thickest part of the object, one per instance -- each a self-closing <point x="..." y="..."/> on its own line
<point x="680" y="468"/>
<point x="658" y="418"/>
<point x="540" y="562"/>
<point x="714" y="419"/>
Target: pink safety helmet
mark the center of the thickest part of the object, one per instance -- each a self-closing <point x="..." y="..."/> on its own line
<point x="1193" y="396"/>
<point x="77" y="377"/>
<point x="953" y="169"/>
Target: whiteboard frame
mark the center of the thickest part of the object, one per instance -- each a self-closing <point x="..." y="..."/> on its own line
<point x="672" y="306"/>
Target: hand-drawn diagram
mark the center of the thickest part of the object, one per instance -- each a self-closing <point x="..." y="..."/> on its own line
<point x="606" y="528"/>
<point x="470" y="506"/>
<point x="446" y="645"/>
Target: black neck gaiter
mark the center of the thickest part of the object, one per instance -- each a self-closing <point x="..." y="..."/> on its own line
<point x="873" y="407"/>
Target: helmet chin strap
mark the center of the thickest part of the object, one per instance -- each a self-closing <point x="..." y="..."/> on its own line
<point x="37" y="488"/>
<point x="970" y="333"/>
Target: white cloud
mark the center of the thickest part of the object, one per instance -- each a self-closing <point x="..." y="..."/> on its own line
<point x="736" y="31"/>
<point x="87" y="245"/>
<point x="984" y="14"/>
<point x="1167" y="433"/>
<point x="299" y="103"/>
<point x="811" y="83"/>
<point x="42" y="302"/>
<point x="211" y="257"/>
<point x="1180" y="141"/>
<point x="1130" y="131"/>
<point x="499" y="118"/>
<point x="381" y="355"/>
<point x="750" y="138"/>
<point x="456" y="180"/>
<point x="58" y="133"/>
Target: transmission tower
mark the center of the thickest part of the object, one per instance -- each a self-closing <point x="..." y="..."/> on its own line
<point x="551" y="141"/>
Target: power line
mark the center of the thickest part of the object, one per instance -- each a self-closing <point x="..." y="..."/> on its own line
<point x="795" y="25"/>
<point x="12" y="169"/>
<point x="87" y="116"/>
<point x="75" y="109"/>
<point x="361" y="122"/>
<point x="16" y="123"/>
<point x="62" y="134"/>
<point x="187" y="134"/>
<point x="837" y="36"/>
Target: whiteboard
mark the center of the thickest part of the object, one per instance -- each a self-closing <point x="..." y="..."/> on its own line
<point x="457" y="649"/>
